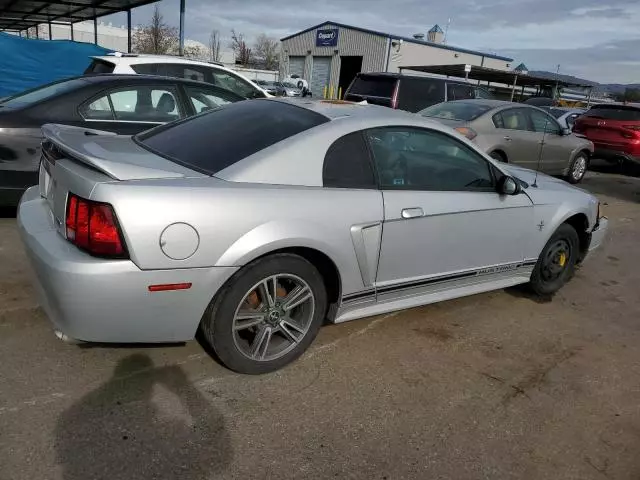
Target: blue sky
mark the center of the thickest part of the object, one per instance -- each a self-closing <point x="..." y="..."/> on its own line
<point x="588" y="38"/>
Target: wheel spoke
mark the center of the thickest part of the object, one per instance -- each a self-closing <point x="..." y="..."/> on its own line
<point x="297" y="296"/>
<point x="268" y="291"/>
<point x="292" y="331"/>
<point x="261" y="343"/>
<point x="247" y="319"/>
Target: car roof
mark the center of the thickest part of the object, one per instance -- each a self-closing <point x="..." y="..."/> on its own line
<point x="137" y="59"/>
<point x="419" y="77"/>
<point x="142" y="78"/>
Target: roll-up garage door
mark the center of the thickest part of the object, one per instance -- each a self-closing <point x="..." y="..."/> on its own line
<point x="296" y="66"/>
<point x="320" y="75"/>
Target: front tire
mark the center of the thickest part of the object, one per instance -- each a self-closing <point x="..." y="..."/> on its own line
<point x="578" y="168"/>
<point x="267" y="315"/>
<point x="557" y="261"/>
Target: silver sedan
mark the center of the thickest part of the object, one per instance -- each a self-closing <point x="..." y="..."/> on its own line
<point x="257" y="221"/>
<point x="517" y="133"/>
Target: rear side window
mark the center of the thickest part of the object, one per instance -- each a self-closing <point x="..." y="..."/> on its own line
<point x="373" y="86"/>
<point x="418" y="93"/>
<point x="145" y="69"/>
<point x="99" y="66"/>
<point x="214" y="140"/>
<point x="347" y="164"/>
<point x="615" y="112"/>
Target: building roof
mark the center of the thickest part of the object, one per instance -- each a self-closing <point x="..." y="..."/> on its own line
<point x="436" y="29"/>
<point x="18" y="15"/>
<point x="400" y="37"/>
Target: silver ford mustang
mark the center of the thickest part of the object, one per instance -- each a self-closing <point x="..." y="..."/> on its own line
<point x="257" y="221"/>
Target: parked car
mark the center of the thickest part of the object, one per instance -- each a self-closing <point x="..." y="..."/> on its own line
<point x="409" y="92"/>
<point x="291" y="90"/>
<point x="272" y="88"/>
<point x="124" y="104"/>
<point x="520" y="134"/>
<point x="614" y="129"/>
<point x="169" y="66"/>
<point x="566" y="117"/>
<point x="213" y="222"/>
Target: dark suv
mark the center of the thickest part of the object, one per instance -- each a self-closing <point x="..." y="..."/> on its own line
<point x="409" y="92"/>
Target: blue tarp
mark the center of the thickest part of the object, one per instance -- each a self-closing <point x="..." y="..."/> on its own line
<point x="27" y="63"/>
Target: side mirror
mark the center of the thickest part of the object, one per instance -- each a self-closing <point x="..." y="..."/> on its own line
<point x="509" y="186"/>
<point x="565" y="131"/>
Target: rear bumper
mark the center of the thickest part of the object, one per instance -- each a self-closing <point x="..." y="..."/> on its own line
<point x="613" y="155"/>
<point x="97" y="300"/>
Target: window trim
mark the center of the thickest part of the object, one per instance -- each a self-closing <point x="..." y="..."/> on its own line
<point x="490" y="167"/>
<point x="370" y="160"/>
<point x="109" y="91"/>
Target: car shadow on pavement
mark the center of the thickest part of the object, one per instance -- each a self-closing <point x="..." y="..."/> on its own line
<point x="146" y="422"/>
<point x="8" y="212"/>
<point x="621" y="184"/>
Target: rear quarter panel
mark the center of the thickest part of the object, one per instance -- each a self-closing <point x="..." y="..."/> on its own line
<point x="238" y="222"/>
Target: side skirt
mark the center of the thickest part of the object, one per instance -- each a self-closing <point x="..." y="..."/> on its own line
<point x="415" y="294"/>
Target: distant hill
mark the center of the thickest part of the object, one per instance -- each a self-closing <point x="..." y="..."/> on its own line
<point x="614" y="88"/>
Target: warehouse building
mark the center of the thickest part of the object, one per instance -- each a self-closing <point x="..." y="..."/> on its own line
<point x="330" y="54"/>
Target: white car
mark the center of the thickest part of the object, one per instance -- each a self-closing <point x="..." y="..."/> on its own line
<point x="169" y="66"/>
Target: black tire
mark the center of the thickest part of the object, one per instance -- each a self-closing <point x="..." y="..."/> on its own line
<point x="498" y="156"/>
<point x="542" y="282"/>
<point x="575" y="174"/>
<point x="217" y="322"/>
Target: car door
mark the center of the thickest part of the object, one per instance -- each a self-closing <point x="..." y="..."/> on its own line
<point x="130" y="110"/>
<point x="443" y="219"/>
<point x="556" y="150"/>
<point x="520" y="144"/>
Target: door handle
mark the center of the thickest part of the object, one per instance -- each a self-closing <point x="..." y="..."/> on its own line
<point x="507" y="138"/>
<point x="414" y="212"/>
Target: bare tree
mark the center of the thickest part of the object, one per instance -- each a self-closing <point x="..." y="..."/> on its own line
<point x="157" y="37"/>
<point x="266" y="49"/>
<point x="214" y="46"/>
<point x="240" y="48"/>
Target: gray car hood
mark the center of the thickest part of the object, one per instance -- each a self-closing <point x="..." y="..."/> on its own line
<point x="547" y="187"/>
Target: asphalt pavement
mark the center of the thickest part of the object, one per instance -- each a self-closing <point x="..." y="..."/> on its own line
<point x="494" y="386"/>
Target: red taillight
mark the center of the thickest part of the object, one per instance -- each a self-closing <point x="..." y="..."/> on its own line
<point x="92" y="226"/>
<point x="394" y="98"/>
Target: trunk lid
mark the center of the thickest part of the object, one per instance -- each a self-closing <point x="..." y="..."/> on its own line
<point x="77" y="159"/>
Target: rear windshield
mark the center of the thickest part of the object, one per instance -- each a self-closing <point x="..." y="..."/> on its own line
<point x="39" y="94"/>
<point x="372" y="86"/>
<point x="99" y="66"/>
<point x="615" y="112"/>
<point x="466" y="111"/>
<point x="212" y="141"/>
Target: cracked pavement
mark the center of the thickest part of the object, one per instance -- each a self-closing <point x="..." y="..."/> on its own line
<point x="497" y="386"/>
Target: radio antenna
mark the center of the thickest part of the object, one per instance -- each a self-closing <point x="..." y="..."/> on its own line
<point x="544" y="131"/>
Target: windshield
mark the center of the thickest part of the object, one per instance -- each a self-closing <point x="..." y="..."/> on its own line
<point x="289" y="85"/>
<point x="39" y="94"/>
<point x="465" y="111"/>
<point x="212" y="141"/>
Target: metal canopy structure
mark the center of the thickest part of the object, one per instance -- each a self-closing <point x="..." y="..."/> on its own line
<point x="515" y="78"/>
<point x="21" y="15"/>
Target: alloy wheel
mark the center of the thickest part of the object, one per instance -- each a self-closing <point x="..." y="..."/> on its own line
<point x="273" y="317"/>
<point x="579" y="168"/>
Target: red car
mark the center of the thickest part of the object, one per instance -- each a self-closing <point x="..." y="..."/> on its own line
<point x="614" y="130"/>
